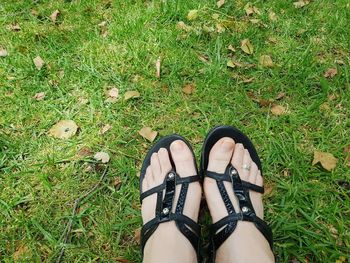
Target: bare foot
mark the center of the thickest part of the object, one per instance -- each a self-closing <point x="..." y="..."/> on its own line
<point x="167" y="243"/>
<point x="246" y="244"/>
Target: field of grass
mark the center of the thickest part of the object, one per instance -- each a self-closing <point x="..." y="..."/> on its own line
<point x="96" y="44"/>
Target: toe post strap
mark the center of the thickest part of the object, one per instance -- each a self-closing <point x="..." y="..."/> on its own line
<point x="164" y="207"/>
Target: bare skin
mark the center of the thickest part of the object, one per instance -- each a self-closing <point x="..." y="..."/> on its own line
<point x="167" y="243"/>
<point x="246" y="244"/>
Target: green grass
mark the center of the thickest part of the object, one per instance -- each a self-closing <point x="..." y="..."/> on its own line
<point x="40" y="177"/>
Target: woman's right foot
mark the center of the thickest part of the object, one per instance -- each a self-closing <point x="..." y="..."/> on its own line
<point x="246" y="243"/>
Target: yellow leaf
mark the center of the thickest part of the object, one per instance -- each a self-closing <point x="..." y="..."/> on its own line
<point x="266" y="61"/>
<point x="327" y="160"/>
<point x="230" y="64"/>
<point x="148" y="134"/>
<point x="192" y="14"/>
<point x="220" y="3"/>
<point x="105" y="129"/>
<point x="272" y="16"/>
<point x="63" y="129"/>
<point x="131" y="94"/>
<point x="247" y="47"/>
<point x="231" y="48"/>
<point x="38" y="62"/>
<point x="278" y="110"/>
<point x="102" y="156"/>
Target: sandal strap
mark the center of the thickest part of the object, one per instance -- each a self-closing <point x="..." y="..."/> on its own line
<point x="226" y="178"/>
<point x="189" y="228"/>
<point x="161" y="187"/>
<point x="222" y="229"/>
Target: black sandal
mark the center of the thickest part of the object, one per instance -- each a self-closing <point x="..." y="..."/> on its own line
<point x="189" y="228"/>
<point x="241" y="189"/>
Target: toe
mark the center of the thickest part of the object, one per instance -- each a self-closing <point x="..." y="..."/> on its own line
<point x="244" y="173"/>
<point x="253" y="173"/>
<point x="183" y="158"/>
<point x="237" y="157"/>
<point x="220" y="155"/>
<point x="155" y="166"/>
<point x="164" y="161"/>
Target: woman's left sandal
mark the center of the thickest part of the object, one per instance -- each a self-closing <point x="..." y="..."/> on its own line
<point x="189" y="228"/>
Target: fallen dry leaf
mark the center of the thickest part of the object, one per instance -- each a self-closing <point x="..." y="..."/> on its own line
<point x="183" y="26"/>
<point x="280" y="96"/>
<point x="104" y="129"/>
<point x="54" y="15"/>
<point x="219" y="28"/>
<point x="266" y="61"/>
<point x="203" y="58"/>
<point x="230" y="64"/>
<point x="20" y="252"/>
<point x="301" y="3"/>
<point x="247" y="47"/>
<point x="117" y="182"/>
<point x="215" y="16"/>
<point x="102" y="156"/>
<point x="188" y="89"/>
<point x="330" y="73"/>
<point x="14" y="27"/>
<point x="220" y="3"/>
<point x="327" y="160"/>
<point x="148" y="134"/>
<point x="38" y="62"/>
<point x="131" y="94"/>
<point x="347" y="152"/>
<point x="63" y="129"/>
<point x="192" y="14"/>
<point x="123" y="260"/>
<point x="84" y="151"/>
<point x="137" y="236"/>
<point x="278" y="110"/>
<point x="250" y="10"/>
<point x="272" y="16"/>
<point x="231" y="48"/>
<point x="3" y="53"/>
<point x="158" y="62"/>
<point x="39" y="96"/>
<point x="113" y="94"/>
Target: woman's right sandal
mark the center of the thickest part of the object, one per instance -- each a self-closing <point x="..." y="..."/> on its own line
<point x="222" y="229"/>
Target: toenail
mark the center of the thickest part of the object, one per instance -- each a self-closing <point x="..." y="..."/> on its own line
<point x="177" y="145"/>
<point x="227" y="144"/>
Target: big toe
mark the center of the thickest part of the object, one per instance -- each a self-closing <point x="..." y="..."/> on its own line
<point x="183" y="159"/>
<point x="220" y="155"/>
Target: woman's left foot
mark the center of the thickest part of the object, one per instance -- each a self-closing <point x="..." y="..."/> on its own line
<point x="167" y="243"/>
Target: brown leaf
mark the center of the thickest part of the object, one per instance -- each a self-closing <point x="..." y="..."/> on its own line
<point x="63" y="129"/>
<point x="137" y="236"/>
<point x="39" y="96"/>
<point x="113" y="94"/>
<point x="248" y="80"/>
<point x="266" y="61"/>
<point x="192" y="14"/>
<point x="203" y="58"/>
<point x="347" y="152"/>
<point x="250" y="10"/>
<point x="183" y="26"/>
<point x="278" y="110"/>
<point x="84" y="151"/>
<point x="123" y="260"/>
<point x="188" y="89"/>
<point x="54" y="15"/>
<point x="158" y="68"/>
<point x="264" y="103"/>
<point x="280" y="96"/>
<point x="117" y="182"/>
<point x="331" y="72"/>
<point x="220" y="3"/>
<point x="148" y="134"/>
<point x="327" y="160"/>
<point x="38" y="62"/>
<point x="20" y="252"/>
<point x="247" y="47"/>
<point x="104" y="129"/>
<point x="14" y="27"/>
<point x="3" y="53"/>
<point x="102" y="156"/>
<point x="131" y="94"/>
<point x="301" y="3"/>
